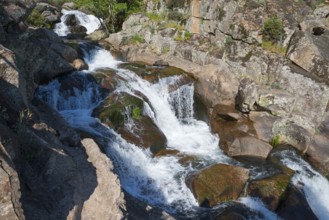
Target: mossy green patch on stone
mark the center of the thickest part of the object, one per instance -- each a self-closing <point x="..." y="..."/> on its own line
<point x="271" y="190"/>
<point x="112" y="110"/>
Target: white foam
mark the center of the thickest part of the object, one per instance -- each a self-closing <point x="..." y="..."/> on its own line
<point x="256" y="204"/>
<point x="314" y="185"/>
<point x="90" y="22"/>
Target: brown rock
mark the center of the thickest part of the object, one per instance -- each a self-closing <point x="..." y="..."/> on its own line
<point x="318" y="153"/>
<point x="118" y="110"/>
<point x="79" y="65"/>
<point x="105" y="201"/>
<point x="249" y="147"/>
<point x="218" y="183"/>
<point x="271" y="190"/>
<point x="263" y="123"/>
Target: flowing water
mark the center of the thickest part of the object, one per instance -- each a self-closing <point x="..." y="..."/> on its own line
<point x="160" y="181"/>
<point x="90" y="22"/>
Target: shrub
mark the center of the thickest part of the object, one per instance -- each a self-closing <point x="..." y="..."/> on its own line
<point x="273" y="30"/>
<point x="36" y="19"/>
<point x="275" y="141"/>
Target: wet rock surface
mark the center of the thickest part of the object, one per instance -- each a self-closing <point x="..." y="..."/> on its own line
<point x="218" y="183"/>
<point x="123" y="112"/>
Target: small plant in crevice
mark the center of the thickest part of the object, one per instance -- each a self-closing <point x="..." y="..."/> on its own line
<point x="273" y="47"/>
<point x="275" y="141"/>
<point x="136" y="39"/>
<point x="273" y="30"/>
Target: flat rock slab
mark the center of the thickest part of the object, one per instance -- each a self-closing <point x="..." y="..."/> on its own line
<point x="249" y="147"/>
<point x="218" y="183"/>
<point x="263" y="123"/>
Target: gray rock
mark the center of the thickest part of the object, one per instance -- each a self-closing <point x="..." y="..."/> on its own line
<point x="263" y="123"/>
<point x="247" y="95"/>
<point x="249" y="147"/>
<point x="97" y="35"/>
<point x="107" y="199"/>
<point x="69" y="6"/>
<point x="44" y="61"/>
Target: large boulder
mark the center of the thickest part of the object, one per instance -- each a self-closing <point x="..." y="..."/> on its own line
<point x="218" y="183"/>
<point x="123" y="112"/>
<point x="272" y="190"/>
<point x="249" y="147"/>
<point x="13" y="12"/>
<point x="308" y="49"/>
<point x="47" y="56"/>
<point x="107" y="199"/>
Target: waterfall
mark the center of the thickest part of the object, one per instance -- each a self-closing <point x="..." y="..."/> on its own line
<point x="160" y="181"/>
<point x="314" y="186"/>
<point x="90" y="22"/>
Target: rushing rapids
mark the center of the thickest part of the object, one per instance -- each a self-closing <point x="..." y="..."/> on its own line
<point x="90" y="22"/>
<point x="160" y="181"/>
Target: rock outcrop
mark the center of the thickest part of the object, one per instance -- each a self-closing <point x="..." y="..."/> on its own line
<point x="218" y="183"/>
<point x="235" y="65"/>
<point x="123" y="112"/>
<point x="44" y="170"/>
<point x="107" y="198"/>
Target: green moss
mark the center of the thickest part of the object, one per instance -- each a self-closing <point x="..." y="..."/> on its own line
<point x="36" y="19"/>
<point x="136" y="113"/>
<point x="156" y="17"/>
<point x="137" y="39"/>
<point x="112" y="111"/>
<point x="275" y="141"/>
<point x="183" y="36"/>
<point x="273" y="47"/>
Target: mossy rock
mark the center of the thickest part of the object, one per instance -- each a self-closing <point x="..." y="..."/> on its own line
<point x="271" y="190"/>
<point x="145" y="134"/>
<point x="142" y="131"/>
<point x="152" y="73"/>
<point x="218" y="183"/>
<point x="107" y="78"/>
<point x="113" y="108"/>
<point x="38" y="20"/>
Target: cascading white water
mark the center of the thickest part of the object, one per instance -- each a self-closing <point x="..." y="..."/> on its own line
<point x="161" y="180"/>
<point x="90" y="22"/>
<point x="314" y="186"/>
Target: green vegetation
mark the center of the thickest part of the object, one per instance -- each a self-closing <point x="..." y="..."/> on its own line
<point x="113" y="12"/>
<point x="275" y="141"/>
<point x="273" y="47"/>
<point x="156" y="17"/>
<point x="273" y="30"/>
<point x="36" y="19"/>
<point x="183" y="36"/>
<point x="138" y="39"/>
<point x="136" y="113"/>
